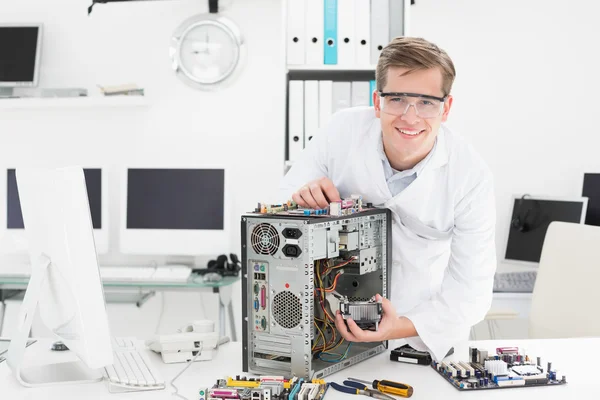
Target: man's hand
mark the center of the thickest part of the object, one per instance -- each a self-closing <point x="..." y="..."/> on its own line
<point x="390" y="326"/>
<point x="317" y="194"/>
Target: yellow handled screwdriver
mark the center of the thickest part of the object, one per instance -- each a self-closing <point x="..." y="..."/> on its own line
<point x="397" y="388"/>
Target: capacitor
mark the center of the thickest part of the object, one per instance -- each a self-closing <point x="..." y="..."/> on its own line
<point x="486" y="381"/>
<point x="477" y="374"/>
<point x="481" y="382"/>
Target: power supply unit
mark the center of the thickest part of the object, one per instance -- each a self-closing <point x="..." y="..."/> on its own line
<point x="298" y="266"/>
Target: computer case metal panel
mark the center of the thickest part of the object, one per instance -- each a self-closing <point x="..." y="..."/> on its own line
<point x="279" y="254"/>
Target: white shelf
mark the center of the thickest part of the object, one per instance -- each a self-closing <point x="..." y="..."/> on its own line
<point x="331" y="68"/>
<point x="73" y="102"/>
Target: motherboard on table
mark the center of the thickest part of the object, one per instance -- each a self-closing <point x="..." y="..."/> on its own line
<point x="507" y="368"/>
<point x="348" y="206"/>
<point x="299" y="267"/>
<point x="265" y="388"/>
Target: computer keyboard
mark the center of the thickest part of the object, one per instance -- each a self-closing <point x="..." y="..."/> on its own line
<point x="132" y="369"/>
<point x="168" y="273"/>
<point x="521" y="282"/>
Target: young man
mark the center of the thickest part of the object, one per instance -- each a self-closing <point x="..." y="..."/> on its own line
<point x="398" y="155"/>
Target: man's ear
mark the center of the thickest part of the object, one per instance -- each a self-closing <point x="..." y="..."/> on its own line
<point x="377" y="103"/>
<point x="447" y="106"/>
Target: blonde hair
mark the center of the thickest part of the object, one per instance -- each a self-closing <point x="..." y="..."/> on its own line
<point x="414" y="54"/>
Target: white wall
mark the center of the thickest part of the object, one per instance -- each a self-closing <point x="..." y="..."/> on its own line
<point x="241" y="126"/>
<point x="525" y="90"/>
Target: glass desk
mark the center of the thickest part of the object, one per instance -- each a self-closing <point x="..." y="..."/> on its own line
<point x="139" y="291"/>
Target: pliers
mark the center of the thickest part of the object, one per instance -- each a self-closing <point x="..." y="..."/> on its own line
<point x="359" y="388"/>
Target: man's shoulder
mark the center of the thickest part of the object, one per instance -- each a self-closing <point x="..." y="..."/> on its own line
<point x="352" y="122"/>
<point x="464" y="155"/>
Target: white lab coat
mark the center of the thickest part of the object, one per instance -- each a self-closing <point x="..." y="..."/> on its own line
<point x="444" y="255"/>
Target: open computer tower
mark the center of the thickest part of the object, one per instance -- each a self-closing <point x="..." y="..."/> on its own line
<point x="297" y="269"/>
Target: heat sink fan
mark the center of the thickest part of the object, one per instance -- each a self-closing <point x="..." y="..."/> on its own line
<point x="265" y="239"/>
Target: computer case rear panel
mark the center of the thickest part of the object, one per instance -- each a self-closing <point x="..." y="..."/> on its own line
<point x="296" y="270"/>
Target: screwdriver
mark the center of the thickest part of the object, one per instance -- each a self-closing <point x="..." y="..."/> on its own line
<point x="399" y="389"/>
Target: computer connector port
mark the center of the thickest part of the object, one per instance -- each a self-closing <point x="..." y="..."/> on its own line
<point x="291" y="233"/>
<point x="291" y="250"/>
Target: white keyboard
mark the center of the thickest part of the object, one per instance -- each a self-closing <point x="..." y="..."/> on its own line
<point x="132" y="369"/>
<point x="516" y="282"/>
<point x="174" y="273"/>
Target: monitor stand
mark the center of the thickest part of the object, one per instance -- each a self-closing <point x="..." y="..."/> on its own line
<point x="6" y="92"/>
<point x="48" y="374"/>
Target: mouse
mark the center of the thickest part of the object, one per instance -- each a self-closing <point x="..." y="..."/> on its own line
<point x="212" y="277"/>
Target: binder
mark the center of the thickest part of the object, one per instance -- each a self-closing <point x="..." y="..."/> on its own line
<point x="330" y="32"/>
<point x="360" y="93"/>
<point x="362" y="31"/>
<point x="397" y="18"/>
<point x="325" y="103"/>
<point x="315" y="26"/>
<point x="311" y="110"/>
<point x="380" y="27"/>
<point x="295" y="120"/>
<point x="346" y="36"/>
<point x="372" y="87"/>
<point x="295" y="36"/>
<point x="341" y="96"/>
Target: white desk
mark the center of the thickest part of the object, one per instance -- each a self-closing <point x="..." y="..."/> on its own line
<point x="576" y="358"/>
<point x="223" y="288"/>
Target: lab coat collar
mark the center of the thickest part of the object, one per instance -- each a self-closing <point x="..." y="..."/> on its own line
<point x="374" y="167"/>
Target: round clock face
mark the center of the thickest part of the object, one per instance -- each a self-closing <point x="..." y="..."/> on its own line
<point x="207" y="51"/>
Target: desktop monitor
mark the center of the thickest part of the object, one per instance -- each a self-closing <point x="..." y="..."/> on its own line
<point x="174" y="211"/>
<point x="20" y="49"/>
<point x="13" y="236"/>
<point x="65" y="285"/>
<point x="529" y="222"/>
<point x="591" y="190"/>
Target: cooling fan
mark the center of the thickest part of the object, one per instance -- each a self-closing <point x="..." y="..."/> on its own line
<point x="265" y="239"/>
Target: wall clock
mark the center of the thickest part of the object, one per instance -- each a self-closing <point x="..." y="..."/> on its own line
<point x="207" y="51"/>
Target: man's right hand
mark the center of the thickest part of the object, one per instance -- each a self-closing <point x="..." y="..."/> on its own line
<point x="317" y="194"/>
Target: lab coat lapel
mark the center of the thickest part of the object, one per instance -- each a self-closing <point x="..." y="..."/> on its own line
<point x="379" y="192"/>
<point x="411" y="199"/>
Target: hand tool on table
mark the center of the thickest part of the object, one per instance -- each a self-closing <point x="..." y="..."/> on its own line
<point x="359" y="388"/>
<point x="391" y="387"/>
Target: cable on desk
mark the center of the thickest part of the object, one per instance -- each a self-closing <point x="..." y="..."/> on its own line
<point x="222" y="340"/>
<point x="183" y="370"/>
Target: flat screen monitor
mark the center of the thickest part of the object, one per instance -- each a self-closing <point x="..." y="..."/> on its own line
<point x="65" y="285"/>
<point x="20" y="49"/>
<point x="591" y="190"/>
<point x="174" y="211"/>
<point x="529" y="222"/>
<point x="13" y="239"/>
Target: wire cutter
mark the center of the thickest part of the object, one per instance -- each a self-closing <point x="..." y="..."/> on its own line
<point x="359" y="388"/>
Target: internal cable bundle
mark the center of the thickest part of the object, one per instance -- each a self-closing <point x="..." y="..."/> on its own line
<point x="327" y="339"/>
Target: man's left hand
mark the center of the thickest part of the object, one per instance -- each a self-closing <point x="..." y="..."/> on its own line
<point x="388" y="326"/>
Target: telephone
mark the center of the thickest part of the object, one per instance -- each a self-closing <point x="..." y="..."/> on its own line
<point x="184" y="345"/>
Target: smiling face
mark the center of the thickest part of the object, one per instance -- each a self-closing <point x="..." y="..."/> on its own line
<point x="408" y="138"/>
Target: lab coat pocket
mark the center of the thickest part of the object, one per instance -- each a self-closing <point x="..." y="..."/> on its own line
<point x="422" y="230"/>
